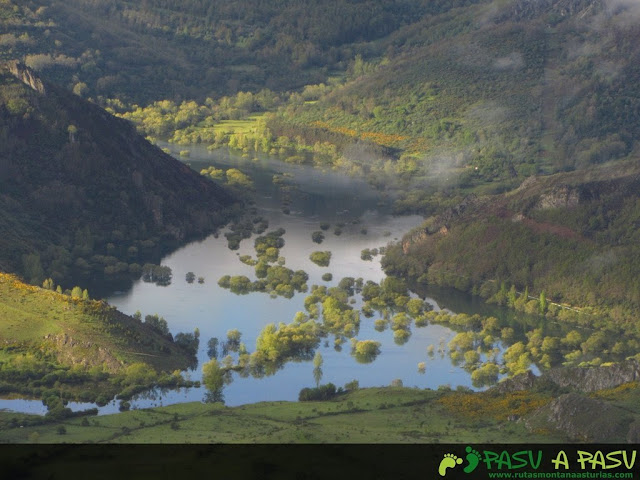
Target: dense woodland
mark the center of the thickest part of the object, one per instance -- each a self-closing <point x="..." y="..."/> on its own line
<point x="511" y="126"/>
<point x="90" y="201"/>
<point x="463" y="92"/>
<point x="447" y="101"/>
<point x="573" y="237"/>
<point x="190" y="49"/>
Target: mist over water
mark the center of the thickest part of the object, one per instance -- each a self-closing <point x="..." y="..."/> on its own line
<point x="315" y="197"/>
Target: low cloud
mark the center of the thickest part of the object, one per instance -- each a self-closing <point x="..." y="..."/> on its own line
<point x="624" y="13"/>
<point x="488" y="114"/>
<point x="511" y="62"/>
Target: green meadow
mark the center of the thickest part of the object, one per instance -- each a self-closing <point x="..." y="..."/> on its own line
<point x="375" y="415"/>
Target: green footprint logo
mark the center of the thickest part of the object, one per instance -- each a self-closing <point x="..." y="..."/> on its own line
<point x="449" y="461"/>
<point x="473" y="457"/>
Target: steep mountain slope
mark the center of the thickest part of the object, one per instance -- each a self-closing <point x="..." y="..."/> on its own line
<point x="491" y="92"/>
<point x="192" y="49"/>
<point x="82" y="195"/>
<point x="572" y="235"/>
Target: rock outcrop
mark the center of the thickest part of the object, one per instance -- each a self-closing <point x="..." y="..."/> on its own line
<point x="583" y="419"/>
<point x="528" y="9"/>
<point x="560" y="197"/>
<point x="594" y="379"/>
<point x="579" y="379"/>
<point x="71" y="351"/>
<point x="579" y="416"/>
<point x="26" y="76"/>
<point x="517" y="383"/>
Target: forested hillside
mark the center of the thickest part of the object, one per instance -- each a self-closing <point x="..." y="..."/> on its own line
<point x="477" y="95"/>
<point x="570" y="238"/>
<point x="170" y="49"/>
<point x="489" y="95"/>
<point x="469" y="92"/>
<point x="84" y="197"/>
<point x="441" y="99"/>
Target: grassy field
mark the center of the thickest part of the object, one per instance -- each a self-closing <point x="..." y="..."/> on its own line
<point x="377" y="415"/>
<point x="247" y="125"/>
<point x="76" y="331"/>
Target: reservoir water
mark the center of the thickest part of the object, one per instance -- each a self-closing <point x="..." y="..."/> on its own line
<point x="307" y="198"/>
<point x="315" y="197"/>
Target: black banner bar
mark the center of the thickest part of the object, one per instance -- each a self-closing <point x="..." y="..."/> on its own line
<point x="424" y="462"/>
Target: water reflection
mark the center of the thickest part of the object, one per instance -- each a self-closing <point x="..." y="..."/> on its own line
<point x="353" y="220"/>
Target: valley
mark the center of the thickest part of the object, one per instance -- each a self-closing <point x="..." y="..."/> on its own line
<point x="254" y="202"/>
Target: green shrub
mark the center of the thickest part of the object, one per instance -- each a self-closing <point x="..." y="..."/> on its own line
<point x="323" y="392"/>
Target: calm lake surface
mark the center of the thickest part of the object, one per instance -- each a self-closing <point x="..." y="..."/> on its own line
<point x="315" y="197"/>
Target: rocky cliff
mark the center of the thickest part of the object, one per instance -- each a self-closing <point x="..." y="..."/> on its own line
<point x="576" y="412"/>
<point x="579" y="379"/>
<point x="583" y="419"/>
<point x="26" y="76"/>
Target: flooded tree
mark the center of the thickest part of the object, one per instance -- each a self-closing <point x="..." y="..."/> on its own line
<point x="213" y="378"/>
<point x="321" y="259"/>
<point x="212" y="347"/>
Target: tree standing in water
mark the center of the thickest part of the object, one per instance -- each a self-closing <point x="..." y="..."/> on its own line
<point x="317" y="368"/>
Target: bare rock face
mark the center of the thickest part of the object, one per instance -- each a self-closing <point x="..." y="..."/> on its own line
<point x="441" y="223"/>
<point x="26" y="76"/>
<point x="579" y="379"/>
<point x="412" y="239"/>
<point x="518" y="383"/>
<point x="594" y="379"/>
<point x="76" y="352"/>
<point x="583" y="419"/>
<point x="468" y="202"/>
<point x="578" y="416"/>
<point x="560" y="197"/>
<point x="633" y="435"/>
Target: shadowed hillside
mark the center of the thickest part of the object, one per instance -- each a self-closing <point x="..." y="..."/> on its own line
<point x="573" y="236"/>
<point x="83" y="195"/>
